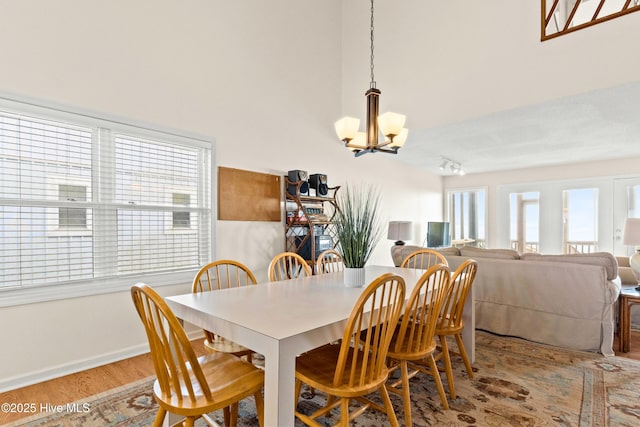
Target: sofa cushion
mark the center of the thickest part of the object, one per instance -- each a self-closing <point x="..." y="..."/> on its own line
<point x="399" y="253"/>
<point x="473" y="252"/>
<point x="627" y="276"/>
<point x="605" y="259"/>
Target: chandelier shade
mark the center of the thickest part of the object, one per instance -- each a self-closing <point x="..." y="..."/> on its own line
<point x="391" y="123"/>
<point x="388" y="125"/>
<point x="347" y="128"/>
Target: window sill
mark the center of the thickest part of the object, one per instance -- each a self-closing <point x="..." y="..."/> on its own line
<point x="37" y="294"/>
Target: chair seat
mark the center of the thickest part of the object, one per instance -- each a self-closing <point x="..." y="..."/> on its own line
<point x="403" y="353"/>
<point x="317" y="369"/>
<point x="226" y="346"/>
<point x="447" y="326"/>
<point x="229" y="377"/>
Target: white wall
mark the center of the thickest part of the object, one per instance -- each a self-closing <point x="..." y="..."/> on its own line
<point x="262" y="78"/>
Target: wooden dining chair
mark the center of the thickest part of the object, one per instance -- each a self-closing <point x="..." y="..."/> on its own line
<point x="423" y="259"/>
<point x="288" y="265"/>
<point x="329" y="261"/>
<point x="356" y="367"/>
<point x="413" y="345"/>
<point x="188" y="385"/>
<point x="451" y="322"/>
<point x="218" y="275"/>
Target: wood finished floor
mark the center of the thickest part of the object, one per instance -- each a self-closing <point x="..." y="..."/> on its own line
<point x="74" y="387"/>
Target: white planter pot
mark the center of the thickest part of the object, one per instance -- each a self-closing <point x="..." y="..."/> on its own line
<point x="354" y="277"/>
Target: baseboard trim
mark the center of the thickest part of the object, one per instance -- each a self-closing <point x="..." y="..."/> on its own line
<point x="53" y="372"/>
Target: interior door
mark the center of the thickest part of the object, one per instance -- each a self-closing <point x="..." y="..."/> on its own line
<point x="626" y="204"/>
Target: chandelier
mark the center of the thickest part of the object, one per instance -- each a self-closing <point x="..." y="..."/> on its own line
<point x="391" y="125"/>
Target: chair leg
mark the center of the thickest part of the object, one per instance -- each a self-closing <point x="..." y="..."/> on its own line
<point x="393" y="420"/>
<point x="406" y="397"/>
<point x="227" y="415"/>
<point x="447" y="365"/>
<point x="233" y="419"/>
<point x="436" y="377"/>
<point x="260" y="407"/>
<point x="463" y="353"/>
<point x="159" y="420"/>
<point x="297" y="389"/>
<point x="344" y="412"/>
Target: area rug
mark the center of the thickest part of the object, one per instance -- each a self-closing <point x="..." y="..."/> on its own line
<point x="516" y="383"/>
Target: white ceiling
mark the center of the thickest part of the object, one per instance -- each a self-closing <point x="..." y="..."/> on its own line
<point x="603" y="124"/>
<point x="486" y="92"/>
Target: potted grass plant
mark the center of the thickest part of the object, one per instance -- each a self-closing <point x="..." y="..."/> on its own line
<point x="358" y="230"/>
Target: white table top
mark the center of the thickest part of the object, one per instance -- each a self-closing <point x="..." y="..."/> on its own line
<point x="287" y="308"/>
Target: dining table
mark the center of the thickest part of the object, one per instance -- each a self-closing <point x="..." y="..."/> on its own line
<point x="283" y="319"/>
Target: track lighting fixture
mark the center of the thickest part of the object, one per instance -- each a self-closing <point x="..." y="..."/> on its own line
<point x="453" y="166"/>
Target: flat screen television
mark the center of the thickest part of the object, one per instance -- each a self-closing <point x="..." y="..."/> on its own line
<point x="438" y="234"/>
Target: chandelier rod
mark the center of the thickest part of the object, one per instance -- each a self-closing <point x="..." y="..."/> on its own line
<point x="373" y="80"/>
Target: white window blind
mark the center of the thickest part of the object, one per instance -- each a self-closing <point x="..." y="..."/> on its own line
<point x="86" y="201"/>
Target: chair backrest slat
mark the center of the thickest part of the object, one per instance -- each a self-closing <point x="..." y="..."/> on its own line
<point x="220" y="274"/>
<point x="174" y="359"/>
<point x="329" y="261"/>
<point x="461" y="281"/>
<point x="369" y="331"/>
<point x="288" y="265"/>
<point x="417" y="328"/>
<point x="423" y="259"/>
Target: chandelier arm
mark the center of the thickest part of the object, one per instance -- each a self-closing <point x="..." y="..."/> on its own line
<point x="348" y="144"/>
<point x="393" y="150"/>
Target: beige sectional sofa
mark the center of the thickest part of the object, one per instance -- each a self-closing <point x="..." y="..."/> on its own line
<point x="562" y="300"/>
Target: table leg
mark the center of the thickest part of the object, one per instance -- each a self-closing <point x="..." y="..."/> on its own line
<point x="621" y="323"/>
<point x="626" y="306"/>
<point x="279" y="386"/>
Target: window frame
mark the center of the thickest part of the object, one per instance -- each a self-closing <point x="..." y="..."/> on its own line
<point x="45" y="110"/>
<point x="550" y="196"/>
<point x="449" y="214"/>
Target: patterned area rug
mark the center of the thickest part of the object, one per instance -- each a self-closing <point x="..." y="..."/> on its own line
<point x="517" y="383"/>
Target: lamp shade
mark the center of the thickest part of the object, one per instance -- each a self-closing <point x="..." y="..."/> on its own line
<point x="399" y="139"/>
<point x="631" y="235"/>
<point x="347" y="127"/>
<point x="359" y="141"/>
<point x="399" y="231"/>
<point x="391" y="123"/>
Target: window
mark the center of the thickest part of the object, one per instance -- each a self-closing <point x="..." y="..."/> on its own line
<point x="580" y="221"/>
<point x="524" y="212"/>
<point x="181" y="219"/>
<point x="467" y="213"/>
<point x="565" y="16"/>
<point x="90" y="204"/>
<point x="72" y="218"/>
<point x="633" y="202"/>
